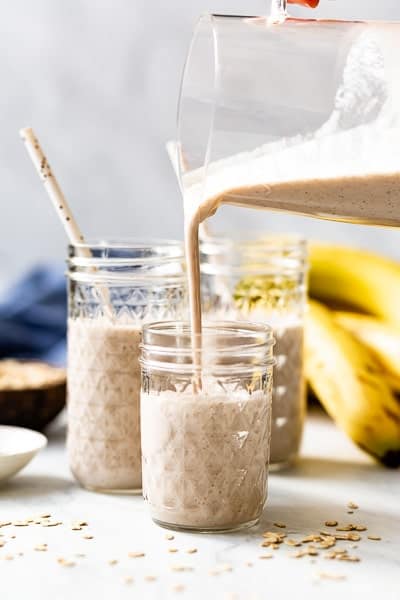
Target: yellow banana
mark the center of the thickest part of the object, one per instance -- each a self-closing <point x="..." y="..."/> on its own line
<point x="382" y="338"/>
<point x="346" y="277"/>
<point x="347" y="380"/>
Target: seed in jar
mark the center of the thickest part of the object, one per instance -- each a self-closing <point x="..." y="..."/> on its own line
<point x="352" y="506"/>
<point x="331" y="523"/>
<point x="173" y="550"/>
<point x="41" y="548"/>
<point x="191" y="550"/>
<point x="375" y="538"/>
<point x="169" y="537"/>
<point x="280" y="524"/>
<point x="136" y="554"/>
<point x="265" y="556"/>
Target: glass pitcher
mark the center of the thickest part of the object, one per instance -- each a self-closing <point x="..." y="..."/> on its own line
<point x="296" y="115"/>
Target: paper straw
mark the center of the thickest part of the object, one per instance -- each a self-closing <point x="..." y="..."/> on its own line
<point x="60" y="204"/>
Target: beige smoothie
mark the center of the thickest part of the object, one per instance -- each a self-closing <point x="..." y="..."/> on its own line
<point x="326" y="178"/>
<point x="205" y="457"/>
<point x="103" y="404"/>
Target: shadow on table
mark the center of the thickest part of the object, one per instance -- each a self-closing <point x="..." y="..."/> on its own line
<point x="30" y="486"/>
<point x="329" y="468"/>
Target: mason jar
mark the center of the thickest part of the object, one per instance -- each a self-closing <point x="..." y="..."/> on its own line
<point x="114" y="287"/>
<point x="205" y="424"/>
<point x="265" y="281"/>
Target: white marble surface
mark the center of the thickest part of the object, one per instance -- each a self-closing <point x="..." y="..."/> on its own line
<point x="331" y="473"/>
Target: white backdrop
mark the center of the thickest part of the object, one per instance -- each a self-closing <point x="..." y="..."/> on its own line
<point x="98" y="80"/>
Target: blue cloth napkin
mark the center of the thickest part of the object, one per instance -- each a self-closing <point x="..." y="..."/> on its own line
<point x="33" y="317"/>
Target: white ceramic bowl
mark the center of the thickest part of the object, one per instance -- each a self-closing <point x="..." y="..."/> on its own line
<point x="17" y="448"/>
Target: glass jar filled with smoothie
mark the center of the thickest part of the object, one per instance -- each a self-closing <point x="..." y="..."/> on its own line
<point x="205" y="422"/>
<point x="265" y="281"/>
<point x="114" y="287"/>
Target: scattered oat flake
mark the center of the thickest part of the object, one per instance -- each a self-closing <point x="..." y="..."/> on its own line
<point x="20" y="523"/>
<point x="173" y="550"/>
<point x="112" y="562"/>
<point x="76" y="528"/>
<point x="265" y="556"/>
<point x="2" y="542"/>
<point x="191" y="550"/>
<point x="41" y="548"/>
<point x="80" y="555"/>
<point x="332" y="576"/>
<point x="248" y="564"/>
<point x="348" y="558"/>
<point x="360" y="528"/>
<point x="375" y="538"/>
<point x="87" y="537"/>
<point x="80" y="523"/>
<point x="65" y="562"/>
<point x="331" y="523"/>
<point x="5" y="523"/>
<point x="352" y="506"/>
<point x="150" y="578"/>
<point x="291" y="542"/>
<point x="169" y="537"/>
<point x="178" y="588"/>
<point x="12" y="537"/>
<point x="280" y="524"/>
<point x="350" y="512"/>
<point x="181" y="568"/>
<point x="51" y="523"/>
<point x="8" y="557"/>
<point x="45" y="516"/>
<point x="298" y="554"/>
<point x="128" y="579"/>
<point x="136" y="554"/>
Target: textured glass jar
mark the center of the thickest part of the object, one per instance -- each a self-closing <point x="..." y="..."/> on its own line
<point x="266" y="281"/>
<point x="114" y="287"/>
<point x="205" y="432"/>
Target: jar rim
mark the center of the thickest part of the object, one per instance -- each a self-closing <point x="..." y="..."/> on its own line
<point x="269" y="242"/>
<point x="233" y="329"/>
<point x="126" y="243"/>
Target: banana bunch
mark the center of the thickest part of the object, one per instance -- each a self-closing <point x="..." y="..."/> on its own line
<point x="353" y="345"/>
